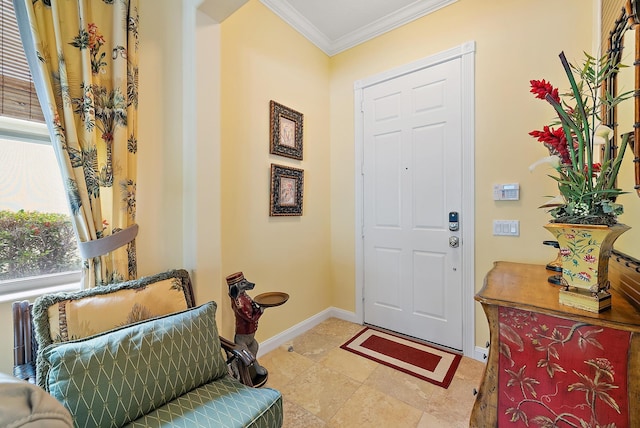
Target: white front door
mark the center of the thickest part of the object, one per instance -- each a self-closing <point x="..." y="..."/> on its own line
<point x="412" y="180"/>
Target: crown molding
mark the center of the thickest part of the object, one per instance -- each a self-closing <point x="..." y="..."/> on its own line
<point x="295" y="19"/>
<point x="291" y="16"/>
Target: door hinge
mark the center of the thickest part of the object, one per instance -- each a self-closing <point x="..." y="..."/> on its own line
<point x="362" y="106"/>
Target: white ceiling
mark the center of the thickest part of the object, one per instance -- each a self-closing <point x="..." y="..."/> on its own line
<point x="337" y="25"/>
<point x="220" y="10"/>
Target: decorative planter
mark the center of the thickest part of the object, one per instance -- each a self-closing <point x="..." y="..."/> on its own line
<point x="585" y="251"/>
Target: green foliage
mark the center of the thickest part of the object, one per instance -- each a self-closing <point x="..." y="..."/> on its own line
<point x="587" y="183"/>
<point x="34" y="243"/>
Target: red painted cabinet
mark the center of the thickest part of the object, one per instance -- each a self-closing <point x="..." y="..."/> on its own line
<point x="551" y="365"/>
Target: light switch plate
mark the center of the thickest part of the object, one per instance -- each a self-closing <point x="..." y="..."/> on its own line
<point x="506" y="227"/>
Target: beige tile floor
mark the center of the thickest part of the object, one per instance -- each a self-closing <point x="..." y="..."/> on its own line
<point x="324" y="386"/>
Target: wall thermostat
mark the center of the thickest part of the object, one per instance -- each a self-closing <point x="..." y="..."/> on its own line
<point x="506" y="192"/>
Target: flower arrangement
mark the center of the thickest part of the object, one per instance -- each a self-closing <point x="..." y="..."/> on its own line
<point x="580" y="146"/>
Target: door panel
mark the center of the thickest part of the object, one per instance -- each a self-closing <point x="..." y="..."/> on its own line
<point x="388" y="179"/>
<point x="428" y="302"/>
<point x="388" y="272"/>
<point x="412" y="178"/>
<point x="428" y="150"/>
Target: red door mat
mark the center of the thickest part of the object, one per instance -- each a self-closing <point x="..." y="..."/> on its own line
<point x="409" y="356"/>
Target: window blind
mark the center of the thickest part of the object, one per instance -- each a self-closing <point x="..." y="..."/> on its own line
<point x="17" y="92"/>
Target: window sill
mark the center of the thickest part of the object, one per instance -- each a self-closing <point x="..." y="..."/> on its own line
<point x="34" y="293"/>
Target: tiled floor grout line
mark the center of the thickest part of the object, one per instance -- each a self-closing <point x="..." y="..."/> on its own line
<point x="317" y="353"/>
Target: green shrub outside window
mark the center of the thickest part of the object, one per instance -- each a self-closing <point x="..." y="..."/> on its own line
<point x="34" y="243"/>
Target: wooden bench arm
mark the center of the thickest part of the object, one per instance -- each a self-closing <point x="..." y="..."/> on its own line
<point x="242" y="353"/>
<point x="244" y="363"/>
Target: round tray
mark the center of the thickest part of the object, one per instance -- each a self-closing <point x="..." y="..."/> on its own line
<point x="270" y="299"/>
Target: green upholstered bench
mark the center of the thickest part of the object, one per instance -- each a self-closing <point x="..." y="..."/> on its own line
<point x="159" y="369"/>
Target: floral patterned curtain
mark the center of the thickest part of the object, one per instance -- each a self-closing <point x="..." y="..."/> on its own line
<point x="83" y="56"/>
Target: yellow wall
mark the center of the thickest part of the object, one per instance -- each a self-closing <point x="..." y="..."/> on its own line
<point x="207" y="274"/>
<point x="264" y="59"/>
<point x="178" y="206"/>
<point x="160" y="172"/>
<point x="630" y="241"/>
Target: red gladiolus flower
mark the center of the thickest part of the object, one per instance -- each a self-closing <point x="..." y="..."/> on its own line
<point x="541" y="88"/>
<point x="595" y="168"/>
<point x="555" y="141"/>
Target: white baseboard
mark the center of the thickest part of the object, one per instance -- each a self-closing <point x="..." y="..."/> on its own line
<point x="278" y="340"/>
<point x="289" y="334"/>
<point x="480" y="354"/>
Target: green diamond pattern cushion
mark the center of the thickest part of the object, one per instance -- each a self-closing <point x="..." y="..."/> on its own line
<point x="114" y="378"/>
<point x="225" y="403"/>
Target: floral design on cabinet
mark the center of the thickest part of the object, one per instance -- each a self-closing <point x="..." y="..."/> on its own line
<point x="560" y="373"/>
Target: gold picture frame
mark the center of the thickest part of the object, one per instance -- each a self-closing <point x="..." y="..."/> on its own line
<point x="287" y="185"/>
<point x="285" y="131"/>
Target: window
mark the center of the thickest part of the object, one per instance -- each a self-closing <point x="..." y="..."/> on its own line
<point x="37" y="243"/>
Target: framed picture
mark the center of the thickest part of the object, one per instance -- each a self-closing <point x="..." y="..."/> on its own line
<point x="286" y="190"/>
<point x="286" y="131"/>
